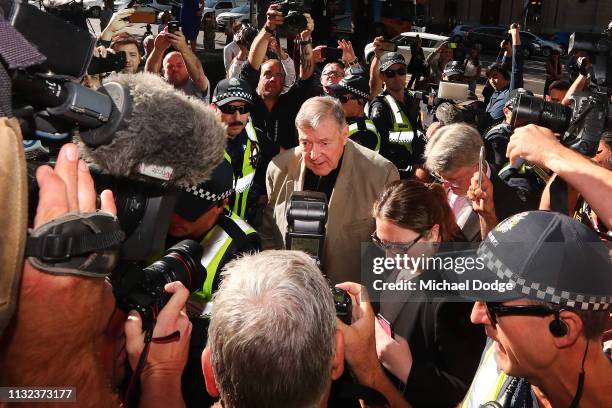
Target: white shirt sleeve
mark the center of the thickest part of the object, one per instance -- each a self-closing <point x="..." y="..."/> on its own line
<point x="289" y="68"/>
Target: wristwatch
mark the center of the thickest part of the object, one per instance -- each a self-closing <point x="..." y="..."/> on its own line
<point x="268" y="30"/>
<point x="308" y="41"/>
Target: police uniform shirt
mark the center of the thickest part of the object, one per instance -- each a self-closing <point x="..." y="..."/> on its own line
<point x="363" y="135"/>
<point x="382" y="116"/>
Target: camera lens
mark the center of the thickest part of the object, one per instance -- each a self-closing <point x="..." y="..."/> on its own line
<point x="530" y="109"/>
<point x="181" y="263"/>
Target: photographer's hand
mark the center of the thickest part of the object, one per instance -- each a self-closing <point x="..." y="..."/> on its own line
<point x="161" y="374"/>
<point x="117" y="24"/>
<point x="274" y="17"/>
<point x="348" y="54"/>
<point x="360" y="346"/>
<point x="536" y="144"/>
<point x="53" y="326"/>
<point x="482" y="203"/>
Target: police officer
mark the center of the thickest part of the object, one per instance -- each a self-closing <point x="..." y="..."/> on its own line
<point x="353" y="92"/>
<point x="233" y="99"/>
<point x="395" y="112"/>
<point x="546" y="330"/>
<point x="200" y="215"/>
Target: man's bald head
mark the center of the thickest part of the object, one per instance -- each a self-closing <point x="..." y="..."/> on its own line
<point x="174" y="69"/>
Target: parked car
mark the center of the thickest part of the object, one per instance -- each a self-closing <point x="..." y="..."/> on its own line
<point x="429" y="42"/>
<point x="238" y="13"/>
<point x="488" y="38"/>
<point x="220" y="6"/>
<point x="153" y="5"/>
<point x="459" y="32"/>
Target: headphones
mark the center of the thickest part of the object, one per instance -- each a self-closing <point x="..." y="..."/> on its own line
<point x="558" y="327"/>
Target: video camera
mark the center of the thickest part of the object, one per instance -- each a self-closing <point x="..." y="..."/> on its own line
<point x="293" y="14"/>
<point x="53" y="109"/>
<point x="581" y="126"/>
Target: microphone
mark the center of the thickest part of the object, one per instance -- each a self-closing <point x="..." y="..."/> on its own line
<point x="155" y="134"/>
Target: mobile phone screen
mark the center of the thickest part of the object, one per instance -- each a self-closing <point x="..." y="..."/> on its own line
<point x="386" y="326"/>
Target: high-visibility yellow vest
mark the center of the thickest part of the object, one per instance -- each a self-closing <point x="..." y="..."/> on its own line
<point x="370" y="128"/>
<point x="402" y="132"/>
<point x="244" y="181"/>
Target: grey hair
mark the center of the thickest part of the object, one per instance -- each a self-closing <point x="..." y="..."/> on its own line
<point x="272" y="332"/>
<point x="451" y="147"/>
<point x="317" y="109"/>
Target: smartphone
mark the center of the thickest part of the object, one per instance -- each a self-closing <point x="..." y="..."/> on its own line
<point x="386" y="325"/>
<point x="331" y="53"/>
<point x="173" y="26"/>
<point x="481" y="165"/>
<point x="112" y="62"/>
<point x="388" y="46"/>
<point x="141" y="16"/>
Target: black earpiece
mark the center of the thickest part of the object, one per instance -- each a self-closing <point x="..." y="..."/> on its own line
<point x="558" y="327"/>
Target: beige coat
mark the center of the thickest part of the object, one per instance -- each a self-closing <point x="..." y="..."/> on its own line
<point x="361" y="179"/>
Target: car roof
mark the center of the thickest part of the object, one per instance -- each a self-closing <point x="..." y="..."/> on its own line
<point x="427" y="36"/>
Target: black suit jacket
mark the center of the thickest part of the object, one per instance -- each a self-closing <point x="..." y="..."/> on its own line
<point x="446" y="347"/>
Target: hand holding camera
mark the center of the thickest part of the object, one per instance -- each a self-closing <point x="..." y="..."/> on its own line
<point x="118" y="23"/>
<point x="536" y="144"/>
<point x="274" y="17"/>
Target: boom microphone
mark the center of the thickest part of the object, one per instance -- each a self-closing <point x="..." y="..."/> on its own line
<point x="155" y="133"/>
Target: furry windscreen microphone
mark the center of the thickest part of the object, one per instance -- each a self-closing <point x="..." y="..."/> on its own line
<point x="155" y="134"/>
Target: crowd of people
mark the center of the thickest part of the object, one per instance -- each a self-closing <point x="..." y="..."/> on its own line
<point x="403" y="167"/>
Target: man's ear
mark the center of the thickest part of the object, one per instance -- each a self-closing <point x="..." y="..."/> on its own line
<point x="338" y="361"/>
<point x="221" y="207"/>
<point x="209" y="375"/>
<point x="575" y="328"/>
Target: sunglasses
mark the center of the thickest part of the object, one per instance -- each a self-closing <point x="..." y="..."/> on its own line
<point x="345" y="99"/>
<point x="395" y="248"/>
<point x="495" y="309"/>
<point x="230" y="109"/>
<point x="390" y="73"/>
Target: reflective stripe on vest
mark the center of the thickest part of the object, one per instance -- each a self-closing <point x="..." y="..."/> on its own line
<point x="488" y="384"/>
<point x="247" y="175"/>
<point x="402" y="132"/>
<point x="215" y="244"/>
<point x="354" y="128"/>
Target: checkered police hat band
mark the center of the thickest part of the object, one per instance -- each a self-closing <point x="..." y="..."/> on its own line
<point x="233" y="94"/>
<point x="207" y="195"/>
<point x="384" y="66"/>
<point x="354" y="91"/>
<point x="539" y="291"/>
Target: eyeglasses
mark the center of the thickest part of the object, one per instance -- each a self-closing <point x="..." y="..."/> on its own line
<point x="396" y="248"/>
<point x="337" y="74"/>
<point x="495" y="309"/>
<point x="230" y="109"/>
<point x="345" y="99"/>
<point x="390" y="73"/>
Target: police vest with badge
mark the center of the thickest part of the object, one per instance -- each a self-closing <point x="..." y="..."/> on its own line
<point x="361" y="129"/>
<point x="403" y="142"/>
<point x="242" y="151"/>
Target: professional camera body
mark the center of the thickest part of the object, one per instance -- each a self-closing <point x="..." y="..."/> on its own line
<point x="143" y="289"/>
<point x="581" y="126"/>
<point x="293" y="14"/>
<point x="306" y="218"/>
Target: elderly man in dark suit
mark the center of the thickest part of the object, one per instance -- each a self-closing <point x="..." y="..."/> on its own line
<point x="351" y="176"/>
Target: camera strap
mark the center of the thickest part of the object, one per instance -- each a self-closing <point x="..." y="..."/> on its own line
<point x="559" y="196"/>
<point x="76" y="244"/>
